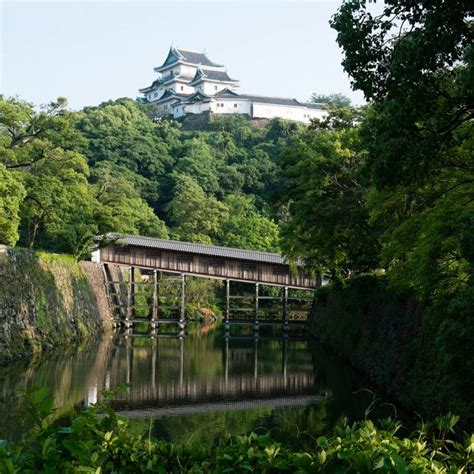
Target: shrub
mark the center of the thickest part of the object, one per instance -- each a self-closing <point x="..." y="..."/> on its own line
<point x="96" y="440"/>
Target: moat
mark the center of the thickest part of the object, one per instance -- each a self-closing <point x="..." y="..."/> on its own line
<point x="199" y="387"/>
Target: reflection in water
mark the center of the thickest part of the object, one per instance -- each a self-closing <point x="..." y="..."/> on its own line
<point x="198" y="387"/>
<point x="176" y="372"/>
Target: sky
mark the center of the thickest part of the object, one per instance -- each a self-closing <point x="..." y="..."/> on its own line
<point x="92" y="51"/>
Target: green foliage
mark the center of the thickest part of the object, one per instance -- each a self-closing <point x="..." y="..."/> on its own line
<point x="50" y="195"/>
<point x="70" y="176"/>
<point x="418" y="136"/>
<point x="246" y="228"/>
<point x="12" y="193"/>
<point x="195" y="216"/>
<point x="394" y="189"/>
<point x="332" y="100"/>
<point x="120" y="205"/>
<point x="97" y="440"/>
<point x="325" y="190"/>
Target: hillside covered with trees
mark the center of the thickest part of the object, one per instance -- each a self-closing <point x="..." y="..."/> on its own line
<point x="70" y="176"/>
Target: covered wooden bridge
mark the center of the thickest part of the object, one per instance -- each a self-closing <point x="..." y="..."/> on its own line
<point x="161" y="257"/>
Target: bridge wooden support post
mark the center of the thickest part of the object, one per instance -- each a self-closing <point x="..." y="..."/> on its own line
<point x="156" y="301"/>
<point x="284" y="359"/>
<point x="285" y="309"/>
<point x="255" y="321"/>
<point x="255" y="360"/>
<point x="129" y="349"/>
<point x="182" y="306"/>
<point x="130" y="297"/>
<point x="226" y="361"/>
<point x="113" y="310"/>
<point x="227" y="306"/>
<point x="154" y="357"/>
<point x="181" y="363"/>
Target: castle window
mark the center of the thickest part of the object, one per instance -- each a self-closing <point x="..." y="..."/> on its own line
<point x="235" y="105"/>
<point x="182" y="87"/>
<point x="215" y="88"/>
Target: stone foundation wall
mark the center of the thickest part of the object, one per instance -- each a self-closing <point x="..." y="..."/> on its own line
<point x="47" y="301"/>
<point x="422" y="356"/>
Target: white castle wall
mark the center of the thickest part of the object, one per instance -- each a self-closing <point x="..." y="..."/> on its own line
<point x="231" y="106"/>
<point x="194" y="108"/>
<point x="269" y="111"/>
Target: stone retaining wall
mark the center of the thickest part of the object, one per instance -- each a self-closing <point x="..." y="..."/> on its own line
<point x="48" y="300"/>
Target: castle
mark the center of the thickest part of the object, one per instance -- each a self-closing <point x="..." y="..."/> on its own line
<point x="190" y="83"/>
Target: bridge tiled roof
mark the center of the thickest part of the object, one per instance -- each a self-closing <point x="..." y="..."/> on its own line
<point x="200" y="249"/>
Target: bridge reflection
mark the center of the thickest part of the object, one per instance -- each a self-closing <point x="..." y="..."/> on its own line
<point x="162" y="373"/>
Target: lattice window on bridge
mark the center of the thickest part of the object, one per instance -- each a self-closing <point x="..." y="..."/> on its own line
<point x="153" y="257"/>
<point x="249" y="271"/>
<point x="122" y="254"/>
<point x="184" y="263"/>
<point x="216" y="267"/>
<point x="280" y="274"/>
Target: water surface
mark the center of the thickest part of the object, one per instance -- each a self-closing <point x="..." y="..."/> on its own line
<point x="199" y="387"/>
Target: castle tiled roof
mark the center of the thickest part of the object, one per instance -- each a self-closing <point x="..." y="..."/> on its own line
<point x="172" y="95"/>
<point x="227" y="94"/>
<point x="260" y="99"/>
<point x="312" y="105"/>
<point x="165" y="79"/>
<point x="197" y="58"/>
<point x="197" y="97"/>
<point x="272" y="100"/>
<point x="192" y="57"/>
<point x="212" y="76"/>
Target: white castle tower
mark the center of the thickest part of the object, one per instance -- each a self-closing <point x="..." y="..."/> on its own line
<point x="182" y="74"/>
<point x="190" y="83"/>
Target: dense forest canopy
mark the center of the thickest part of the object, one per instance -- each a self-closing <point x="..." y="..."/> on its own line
<point x="70" y="176"/>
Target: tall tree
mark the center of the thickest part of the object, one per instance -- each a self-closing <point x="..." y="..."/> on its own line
<point x="246" y="228"/>
<point x="12" y="193"/>
<point x="195" y="216"/>
<point x="331" y="100"/>
<point x="324" y="188"/>
<point x="415" y="62"/>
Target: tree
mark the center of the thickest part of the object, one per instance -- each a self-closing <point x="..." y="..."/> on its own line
<point x="195" y="217"/>
<point x="56" y="188"/>
<point x="324" y="190"/>
<point x="246" y="228"/>
<point x="332" y="100"/>
<point x="415" y="62"/>
<point x="121" y="209"/>
<point x="120" y="132"/>
<point x="12" y="193"/>
<point x="196" y="159"/>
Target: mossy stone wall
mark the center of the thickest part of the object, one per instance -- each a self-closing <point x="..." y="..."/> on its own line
<point x="46" y="301"/>
<point x="422" y="356"/>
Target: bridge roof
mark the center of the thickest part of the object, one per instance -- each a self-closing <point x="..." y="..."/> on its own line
<point x="200" y="249"/>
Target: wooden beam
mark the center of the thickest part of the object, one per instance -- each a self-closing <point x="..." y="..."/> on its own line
<point x="130" y="296"/>
<point x="285" y="309"/>
<point x="182" y="306"/>
<point x="156" y="300"/>
<point x="227" y="306"/>
<point x="256" y="308"/>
